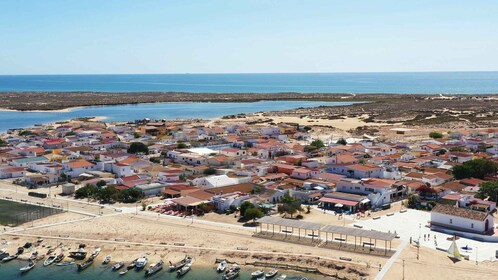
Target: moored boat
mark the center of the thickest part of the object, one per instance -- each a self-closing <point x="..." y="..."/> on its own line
<point x="34" y="255"/>
<point x="107" y="260"/>
<point x="78" y="255"/>
<point x="3" y="256"/>
<point x="9" y="258"/>
<point x="50" y="260"/>
<point x="232" y="272"/>
<point x="65" y="263"/>
<point x="117" y="266"/>
<point x="124" y="272"/>
<point x="186" y="268"/>
<point x="132" y="264"/>
<point x="281" y="277"/>
<point x="141" y="262"/>
<point x="85" y="264"/>
<point x="222" y="266"/>
<point x="258" y="273"/>
<point x="180" y="264"/>
<point x="272" y="273"/>
<point x="31" y="265"/>
<point x="59" y="257"/>
<point x="154" y="268"/>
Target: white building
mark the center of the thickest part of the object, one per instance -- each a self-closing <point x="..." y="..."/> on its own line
<point x="461" y="219"/>
<point x="223" y="202"/>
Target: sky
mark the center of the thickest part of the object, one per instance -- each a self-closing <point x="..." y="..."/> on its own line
<point x="256" y="36"/>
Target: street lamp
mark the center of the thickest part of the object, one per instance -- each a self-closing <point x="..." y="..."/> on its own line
<point x="418" y="246"/>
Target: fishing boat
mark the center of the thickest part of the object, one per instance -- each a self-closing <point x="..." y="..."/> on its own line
<point x="124" y="272"/>
<point x="154" y="268"/>
<point x="141" y="262"/>
<point x="82" y="266"/>
<point x="258" y="273"/>
<point x="65" y="263"/>
<point x="281" y="277"/>
<point x="180" y="264"/>
<point x="186" y="268"/>
<point x="59" y="257"/>
<point x="3" y="255"/>
<point x="31" y="265"/>
<point x="78" y="255"/>
<point x="3" y="251"/>
<point x="117" y="266"/>
<point x="132" y="264"/>
<point x="272" y="273"/>
<point x="222" y="266"/>
<point x="50" y="260"/>
<point x="232" y="272"/>
<point x="107" y="260"/>
<point x="11" y="257"/>
<point x="95" y="253"/>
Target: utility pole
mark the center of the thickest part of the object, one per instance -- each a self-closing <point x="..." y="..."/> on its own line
<point x="418" y="245"/>
<point x="477" y="248"/>
<point x="403" y="269"/>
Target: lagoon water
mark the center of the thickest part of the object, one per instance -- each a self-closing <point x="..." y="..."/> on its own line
<point x="183" y="110"/>
<point x="10" y="271"/>
<point x="420" y="82"/>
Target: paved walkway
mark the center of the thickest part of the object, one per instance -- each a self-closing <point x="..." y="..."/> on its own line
<point x="390" y="262"/>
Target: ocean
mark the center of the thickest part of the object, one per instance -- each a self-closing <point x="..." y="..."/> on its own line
<point x="417" y="82"/>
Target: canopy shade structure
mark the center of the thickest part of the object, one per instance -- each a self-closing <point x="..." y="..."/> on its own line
<point x="378" y="235"/>
<point x="289" y="223"/>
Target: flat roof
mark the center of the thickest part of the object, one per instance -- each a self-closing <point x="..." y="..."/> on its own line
<point x="289" y="223"/>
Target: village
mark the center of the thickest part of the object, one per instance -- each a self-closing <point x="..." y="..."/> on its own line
<point x="281" y="182"/>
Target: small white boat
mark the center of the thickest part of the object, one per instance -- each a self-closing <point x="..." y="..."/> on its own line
<point x="272" y="273"/>
<point x="50" y="260"/>
<point x="31" y="265"/>
<point x="65" y="263"/>
<point x="107" y="260"/>
<point x="117" y="266"/>
<point x="258" y="273"/>
<point x="281" y="277"/>
<point x="3" y="251"/>
<point x="141" y="262"/>
<point x="186" y="268"/>
<point x="222" y="266"/>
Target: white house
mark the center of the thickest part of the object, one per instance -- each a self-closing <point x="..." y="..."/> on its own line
<point x="223" y="202"/>
<point x="461" y="219"/>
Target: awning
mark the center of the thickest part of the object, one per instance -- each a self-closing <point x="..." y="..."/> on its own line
<point x="338" y="201"/>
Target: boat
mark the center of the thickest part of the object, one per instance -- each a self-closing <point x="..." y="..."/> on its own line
<point x="50" y="260"/>
<point x="258" y="273"/>
<point x="222" y="266"/>
<point x="31" y="265"/>
<point x="132" y="264"/>
<point x="85" y="264"/>
<point x="178" y="265"/>
<point x="107" y="260"/>
<point x="78" y="255"/>
<point x="272" y="273"/>
<point x="117" y="266"/>
<point x="3" y="251"/>
<point x="154" y="268"/>
<point x="186" y="268"/>
<point x="59" y="257"/>
<point x="232" y="272"/>
<point x="141" y="262"/>
<point x="124" y="272"/>
<point x="281" y="277"/>
<point x="95" y="253"/>
<point x="3" y="255"/>
<point x="65" y="263"/>
<point x="9" y="258"/>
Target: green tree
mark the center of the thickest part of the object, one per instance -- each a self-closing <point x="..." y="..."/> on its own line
<point x="203" y="207"/>
<point x="412" y="200"/>
<point x="138" y="148"/>
<point x="488" y="190"/>
<point x="253" y="214"/>
<point x="131" y="195"/>
<point x="88" y="191"/>
<point x="107" y="194"/>
<point x="2" y="143"/>
<point x="342" y="141"/>
<point x="244" y="206"/>
<point x="477" y="168"/>
<point x="181" y="146"/>
<point x="289" y="205"/>
<point x="435" y="135"/>
<point x="101" y="183"/>
<point x="317" y="143"/>
<point x="209" y="171"/>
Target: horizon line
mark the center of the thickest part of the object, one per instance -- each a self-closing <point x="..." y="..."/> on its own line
<point x="251" y="73"/>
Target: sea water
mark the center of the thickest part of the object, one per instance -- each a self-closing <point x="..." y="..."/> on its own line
<point x="418" y="82"/>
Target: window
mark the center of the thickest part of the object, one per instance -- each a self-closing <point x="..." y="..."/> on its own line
<point x="451" y="221"/>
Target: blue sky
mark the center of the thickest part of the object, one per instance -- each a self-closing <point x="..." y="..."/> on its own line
<point x="203" y="36"/>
